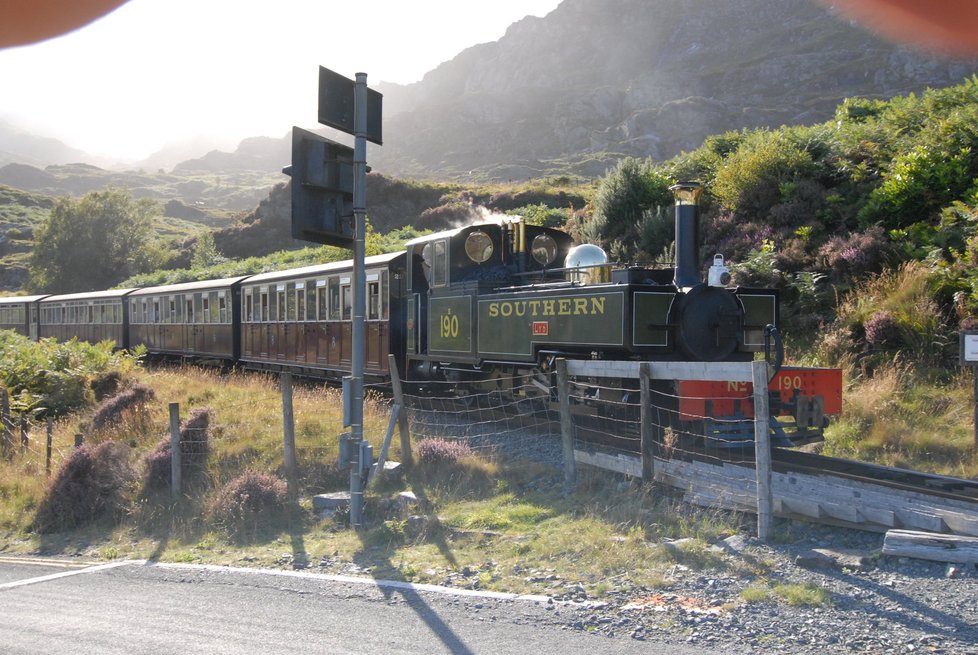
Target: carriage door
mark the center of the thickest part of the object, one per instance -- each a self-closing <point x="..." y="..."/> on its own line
<point x="32" y="328"/>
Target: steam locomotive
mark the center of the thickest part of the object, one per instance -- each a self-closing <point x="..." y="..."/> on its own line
<point x="478" y="307"/>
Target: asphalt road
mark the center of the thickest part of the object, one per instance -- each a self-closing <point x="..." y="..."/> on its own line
<point x="132" y="607"/>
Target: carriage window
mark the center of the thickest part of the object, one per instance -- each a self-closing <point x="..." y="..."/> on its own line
<point x="172" y="318"/>
<point x="249" y="308"/>
<point x="222" y="308"/>
<point x="205" y="309"/>
<point x="91" y="314"/>
<point x="347" y="298"/>
<point x="280" y="300"/>
<point x="190" y="309"/>
<point x="384" y="295"/>
<point x="310" y="301"/>
<point x="322" y="304"/>
<point x="156" y="311"/>
<point x="215" y="305"/>
<point x="373" y="301"/>
<point x="291" y="304"/>
<point x="264" y="306"/>
<point x="334" y="299"/>
<point x="300" y="304"/>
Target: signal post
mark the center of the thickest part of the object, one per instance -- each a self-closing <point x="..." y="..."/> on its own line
<point x="329" y="206"/>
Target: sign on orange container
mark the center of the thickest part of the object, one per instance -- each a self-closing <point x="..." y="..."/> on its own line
<point x="736" y="398"/>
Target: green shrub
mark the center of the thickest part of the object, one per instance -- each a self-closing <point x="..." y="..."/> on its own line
<point x="51" y="378"/>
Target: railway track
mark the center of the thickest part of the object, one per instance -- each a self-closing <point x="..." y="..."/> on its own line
<point x="928" y="483"/>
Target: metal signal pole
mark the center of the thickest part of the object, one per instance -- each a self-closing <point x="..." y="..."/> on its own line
<point x="359" y="291"/>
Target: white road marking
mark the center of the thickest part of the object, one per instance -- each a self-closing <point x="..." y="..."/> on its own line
<point x="381" y="584"/>
<point x="65" y="574"/>
<point x="51" y="563"/>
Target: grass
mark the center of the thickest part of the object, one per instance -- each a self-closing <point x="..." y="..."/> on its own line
<point x="487" y="525"/>
<point x="805" y="594"/>
<point x="908" y="420"/>
<point x="481" y="523"/>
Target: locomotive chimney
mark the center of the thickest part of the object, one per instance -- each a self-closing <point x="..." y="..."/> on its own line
<point x="687" y="234"/>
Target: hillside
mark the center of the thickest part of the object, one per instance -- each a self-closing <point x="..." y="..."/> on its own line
<point x="219" y="190"/>
<point x="593" y="81"/>
<point x="576" y="90"/>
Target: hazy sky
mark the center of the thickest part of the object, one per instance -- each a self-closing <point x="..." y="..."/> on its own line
<point x="156" y="71"/>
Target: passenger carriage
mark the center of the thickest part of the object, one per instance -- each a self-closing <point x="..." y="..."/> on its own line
<point x="189" y="319"/>
<point x="302" y="319"/>
<point x="19" y="313"/>
<point x="91" y="316"/>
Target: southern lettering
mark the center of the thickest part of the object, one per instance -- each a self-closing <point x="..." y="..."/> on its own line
<point x="580" y="306"/>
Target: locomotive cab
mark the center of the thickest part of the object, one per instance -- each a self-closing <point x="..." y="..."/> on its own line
<point x="448" y="270"/>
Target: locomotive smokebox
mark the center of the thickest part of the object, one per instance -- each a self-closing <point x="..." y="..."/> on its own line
<point x="687" y="234"/>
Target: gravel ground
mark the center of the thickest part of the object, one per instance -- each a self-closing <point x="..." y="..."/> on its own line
<point x="875" y="604"/>
<point x="887" y="605"/>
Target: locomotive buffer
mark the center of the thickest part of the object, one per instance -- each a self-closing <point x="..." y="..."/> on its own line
<point x="329" y="206"/>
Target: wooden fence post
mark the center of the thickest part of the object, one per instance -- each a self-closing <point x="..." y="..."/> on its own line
<point x="288" y="426"/>
<point x="407" y="459"/>
<point x="647" y="429"/>
<point x="566" y="426"/>
<point x="8" y="439"/>
<point x="175" y="470"/>
<point x="762" y="449"/>
<point x="47" y="455"/>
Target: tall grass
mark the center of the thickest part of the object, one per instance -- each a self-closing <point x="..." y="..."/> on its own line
<point x="905" y="404"/>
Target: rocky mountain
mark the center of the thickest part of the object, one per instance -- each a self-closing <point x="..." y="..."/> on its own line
<point x="595" y="80"/>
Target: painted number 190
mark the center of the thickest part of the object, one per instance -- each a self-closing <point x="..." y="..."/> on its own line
<point x="449" y="326"/>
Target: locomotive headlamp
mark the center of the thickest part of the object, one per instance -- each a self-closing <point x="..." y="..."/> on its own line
<point x="719" y="275"/>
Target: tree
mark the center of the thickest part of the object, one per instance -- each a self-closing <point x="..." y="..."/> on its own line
<point x="94" y="242"/>
<point x="206" y="252"/>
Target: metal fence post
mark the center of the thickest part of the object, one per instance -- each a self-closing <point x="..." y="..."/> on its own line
<point x="762" y="449"/>
<point x="566" y="426"/>
<point x="175" y="464"/>
<point x="288" y="425"/>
